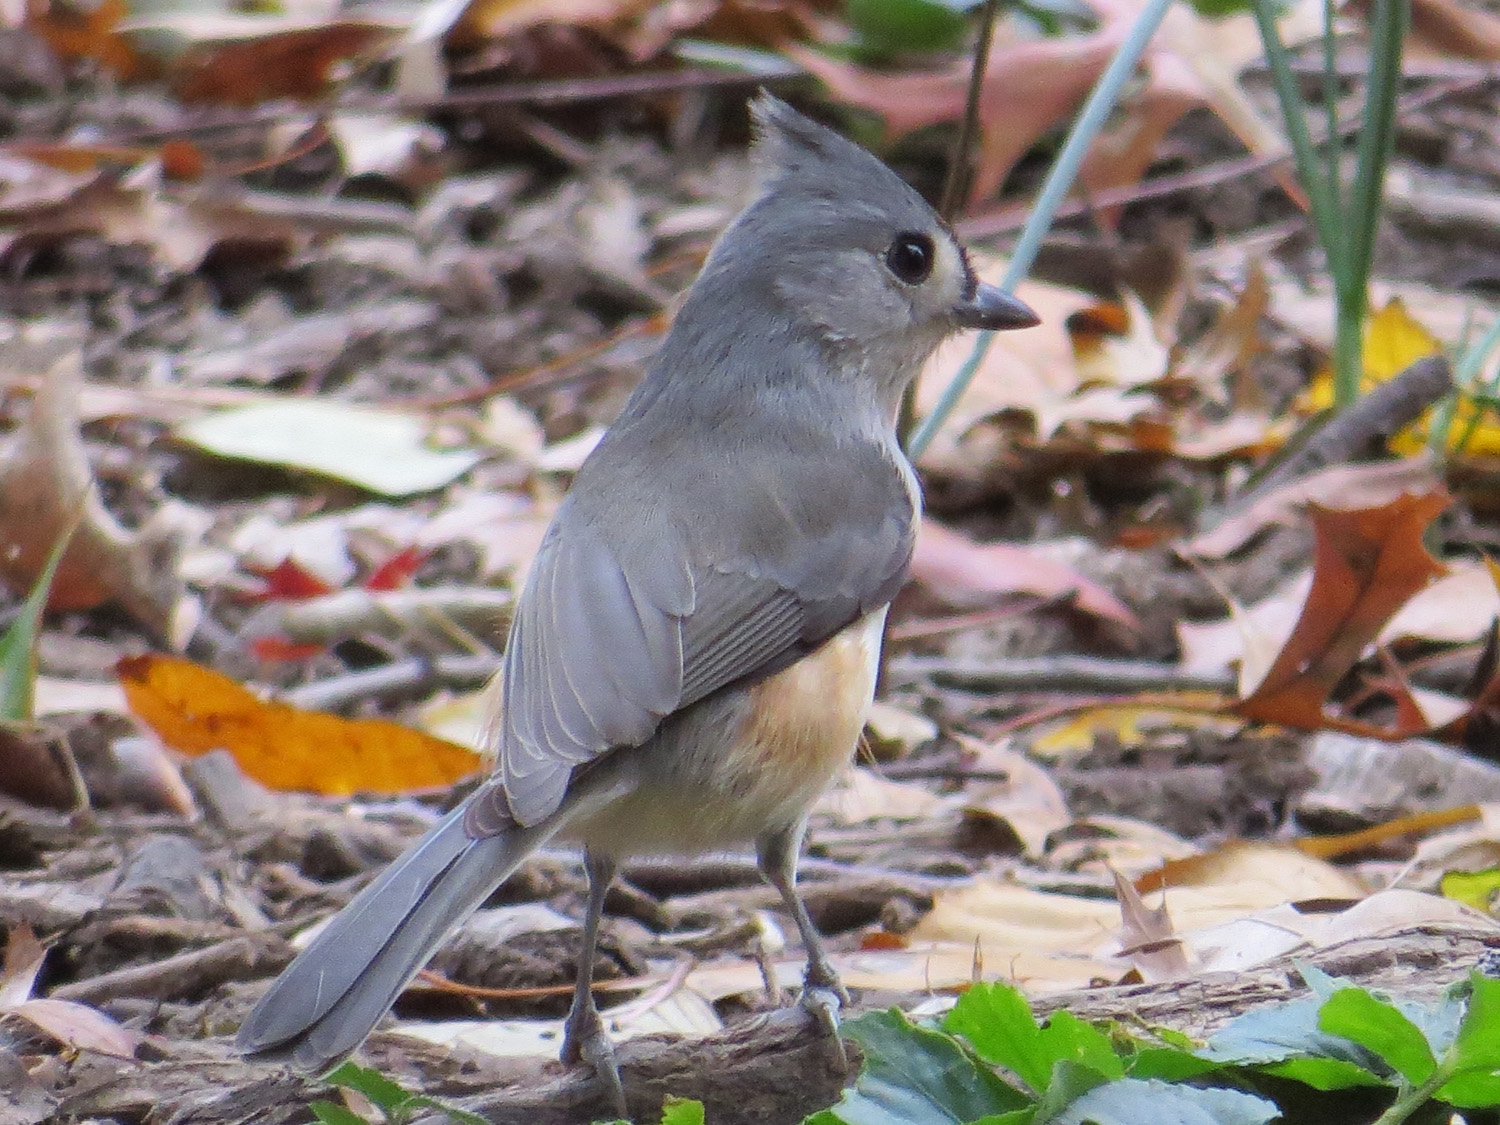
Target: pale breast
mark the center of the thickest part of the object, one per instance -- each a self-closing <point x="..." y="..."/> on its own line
<point x="790" y="736"/>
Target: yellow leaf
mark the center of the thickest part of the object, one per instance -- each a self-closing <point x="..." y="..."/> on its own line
<point x="1394" y="340"/>
<point x="195" y="710"/>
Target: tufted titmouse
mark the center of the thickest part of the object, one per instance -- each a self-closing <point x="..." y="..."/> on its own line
<point x="695" y="649"/>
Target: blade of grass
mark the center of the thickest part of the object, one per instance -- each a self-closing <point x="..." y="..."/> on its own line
<point x="1091" y="119"/>
<point x="1388" y="24"/>
<point x="1310" y="167"/>
<point x="18" y="645"/>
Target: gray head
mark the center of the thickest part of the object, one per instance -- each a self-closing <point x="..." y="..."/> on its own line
<point x="838" y="247"/>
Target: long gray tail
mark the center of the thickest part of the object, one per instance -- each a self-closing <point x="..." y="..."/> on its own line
<point x="326" y="1002"/>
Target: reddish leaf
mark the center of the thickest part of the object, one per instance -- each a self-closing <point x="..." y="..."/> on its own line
<point x="1367" y="563"/>
<point x="397" y="570"/>
<point x="287" y="581"/>
<point x="279" y="650"/>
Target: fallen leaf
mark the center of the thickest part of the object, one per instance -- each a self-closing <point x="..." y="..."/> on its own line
<point x="380" y="450"/>
<point x="195" y="710"/>
<point x="1367" y="563"/>
<point x="76" y="1026"/>
<point x="964" y="573"/>
<point x="1368" y="485"/>
<point x="46" y="484"/>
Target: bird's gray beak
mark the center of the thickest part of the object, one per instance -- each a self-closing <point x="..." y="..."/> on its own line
<point x="994" y="310"/>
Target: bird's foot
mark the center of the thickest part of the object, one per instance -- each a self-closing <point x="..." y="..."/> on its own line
<point x="586" y="1042"/>
<point x="823" y="1000"/>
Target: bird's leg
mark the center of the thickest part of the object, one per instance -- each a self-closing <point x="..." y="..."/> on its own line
<point x="584" y="1037"/>
<point x="822" y="993"/>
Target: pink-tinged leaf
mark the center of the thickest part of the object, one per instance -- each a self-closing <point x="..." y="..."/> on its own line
<point x="79" y="1027"/>
<point x="963" y="573"/>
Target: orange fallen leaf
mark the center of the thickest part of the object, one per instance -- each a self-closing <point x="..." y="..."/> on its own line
<point x="195" y="710"/>
<point x="80" y="32"/>
<point x="1367" y="563"/>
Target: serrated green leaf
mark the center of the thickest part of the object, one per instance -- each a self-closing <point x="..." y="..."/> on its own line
<point x="386" y="1094"/>
<point x="916" y="1076"/>
<point x="1131" y="1102"/>
<point x="681" y="1111"/>
<point x="18" y="644"/>
<point x="1379" y="1027"/>
<point x="997" y="1022"/>
<point x="1325" y="1074"/>
<point x="330" y="1113"/>
<point x="1477" y="1047"/>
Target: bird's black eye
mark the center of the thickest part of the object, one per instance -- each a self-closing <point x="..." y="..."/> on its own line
<point x="910" y="257"/>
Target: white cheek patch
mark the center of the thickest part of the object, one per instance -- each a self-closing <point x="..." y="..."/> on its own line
<point x="949" y="273"/>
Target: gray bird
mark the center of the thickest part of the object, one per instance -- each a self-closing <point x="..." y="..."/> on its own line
<point x="694" y="652"/>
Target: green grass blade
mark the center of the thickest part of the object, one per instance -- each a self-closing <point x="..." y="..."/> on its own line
<point x="18" y="645"/>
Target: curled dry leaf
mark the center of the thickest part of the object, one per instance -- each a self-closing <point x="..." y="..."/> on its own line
<point x="195" y="710"/>
<point x="45" y="484"/>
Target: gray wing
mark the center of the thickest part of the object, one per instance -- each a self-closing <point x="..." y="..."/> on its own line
<point x="622" y="624"/>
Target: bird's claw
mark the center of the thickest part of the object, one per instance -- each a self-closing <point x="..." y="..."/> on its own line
<point x="590" y="1044"/>
<point x="823" y="1003"/>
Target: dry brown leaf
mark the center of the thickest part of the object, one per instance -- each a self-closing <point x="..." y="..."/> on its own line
<point x="1367" y="563"/>
<point x="45" y="483"/>
<point x="297" y="64"/>
<point x="195" y="710"/>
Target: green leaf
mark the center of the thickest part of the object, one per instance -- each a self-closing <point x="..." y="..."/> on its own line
<point x="1070" y="1081"/>
<point x="997" y="1020"/>
<point x="1379" y="1027"/>
<point x="681" y="1111"/>
<point x="1167" y="1063"/>
<point x="1131" y="1102"/>
<point x="916" y="1076"/>
<point x="18" y="645"/>
<point x="1478" y="1044"/>
<point x="1326" y="1074"/>
<point x="890" y="27"/>
<point x="1066" y="1038"/>
<point x="1280" y="1032"/>
<point x="1474" y="1090"/>
<point x="1214" y="9"/>
<point x="387" y="1095"/>
<point x="1014" y="1117"/>
<point x="330" y="1113"/>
